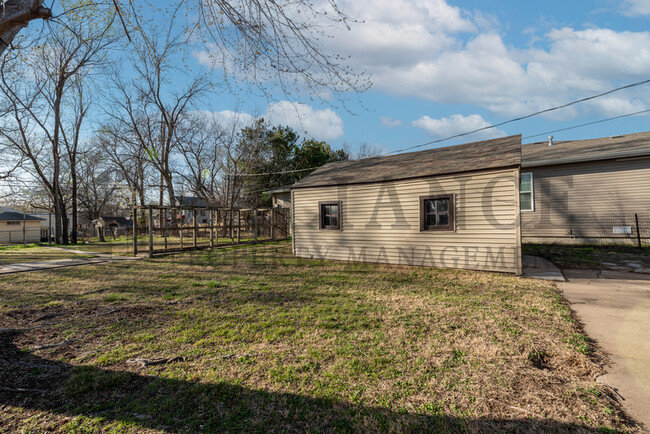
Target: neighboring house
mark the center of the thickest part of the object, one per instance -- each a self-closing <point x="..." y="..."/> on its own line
<point x="116" y="225"/>
<point x="48" y="221"/>
<point x="456" y="206"/>
<point x="586" y="191"/>
<point x="17" y="227"/>
<point x="280" y="197"/>
<point x="202" y="216"/>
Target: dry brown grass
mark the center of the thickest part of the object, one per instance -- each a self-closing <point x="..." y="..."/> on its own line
<point x="269" y="342"/>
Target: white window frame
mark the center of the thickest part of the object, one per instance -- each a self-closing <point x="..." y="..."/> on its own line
<point x="531" y="191"/>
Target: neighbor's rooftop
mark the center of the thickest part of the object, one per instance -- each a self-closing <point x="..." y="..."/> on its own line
<point x="574" y="151"/>
<point x="7" y="214"/>
<point x="488" y="154"/>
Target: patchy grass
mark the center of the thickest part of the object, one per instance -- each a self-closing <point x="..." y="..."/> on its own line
<point x="252" y="339"/>
<point x="33" y="253"/>
<point x="123" y="246"/>
<point x="590" y="257"/>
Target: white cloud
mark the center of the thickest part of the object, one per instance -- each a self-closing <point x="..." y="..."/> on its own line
<point x="635" y="7"/>
<point x="390" y="122"/>
<point x="456" y="124"/>
<point x="432" y="50"/>
<point x="410" y="52"/>
<point x="228" y="118"/>
<point x="320" y="124"/>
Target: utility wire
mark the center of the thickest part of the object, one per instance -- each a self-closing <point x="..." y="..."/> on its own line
<point x="639" y="83"/>
<point x="588" y="123"/>
<point x="509" y="121"/>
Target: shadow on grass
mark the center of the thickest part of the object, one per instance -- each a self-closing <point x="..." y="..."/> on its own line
<point x="140" y="401"/>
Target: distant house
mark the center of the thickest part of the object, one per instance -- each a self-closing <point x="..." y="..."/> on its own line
<point x="280" y="197"/>
<point x="114" y="225"/>
<point x="586" y="191"/>
<point x="456" y="206"/>
<point x="17" y="227"/>
<point x="202" y="216"/>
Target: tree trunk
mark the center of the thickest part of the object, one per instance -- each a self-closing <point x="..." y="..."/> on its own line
<point x="73" y="232"/>
<point x="18" y="14"/>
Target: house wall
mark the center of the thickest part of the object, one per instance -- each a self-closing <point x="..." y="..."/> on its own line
<point x="583" y="202"/>
<point x="381" y="223"/>
<point x="281" y="200"/>
<point x="13" y="234"/>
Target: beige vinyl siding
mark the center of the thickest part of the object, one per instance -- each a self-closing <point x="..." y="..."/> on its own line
<point x="594" y="195"/>
<point x="282" y="200"/>
<point x="381" y="222"/>
<point x="13" y="233"/>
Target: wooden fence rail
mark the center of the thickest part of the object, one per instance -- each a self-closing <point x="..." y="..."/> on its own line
<point x="168" y="229"/>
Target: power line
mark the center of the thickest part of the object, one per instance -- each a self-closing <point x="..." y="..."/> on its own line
<point x="588" y="123"/>
<point x="509" y="121"/>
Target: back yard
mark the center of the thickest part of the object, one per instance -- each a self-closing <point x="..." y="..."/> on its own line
<point x="251" y="339"/>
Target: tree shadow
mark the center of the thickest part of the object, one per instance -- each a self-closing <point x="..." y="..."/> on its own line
<point x="140" y="401"/>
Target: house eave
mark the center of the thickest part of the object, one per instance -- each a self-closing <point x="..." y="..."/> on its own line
<point x="587" y="158"/>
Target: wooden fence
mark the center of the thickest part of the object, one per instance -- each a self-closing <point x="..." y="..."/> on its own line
<point x="161" y="229"/>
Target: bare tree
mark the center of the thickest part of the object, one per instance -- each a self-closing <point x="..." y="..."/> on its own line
<point x="98" y="182"/>
<point x="122" y="149"/>
<point x="152" y="108"/>
<point x="36" y="87"/>
<point x="256" y="42"/>
<point x="201" y="150"/>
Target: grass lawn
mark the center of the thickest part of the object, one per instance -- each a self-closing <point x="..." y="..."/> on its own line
<point x="590" y="257"/>
<point x="33" y="253"/>
<point x="123" y="246"/>
<point x="251" y="339"/>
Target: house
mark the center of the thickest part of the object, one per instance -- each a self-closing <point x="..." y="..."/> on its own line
<point x="586" y="191"/>
<point x="115" y="225"/>
<point x="18" y="227"/>
<point x="202" y="215"/>
<point x="456" y="206"/>
<point x="280" y="197"/>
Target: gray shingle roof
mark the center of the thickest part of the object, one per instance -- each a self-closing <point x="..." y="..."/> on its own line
<point x="189" y="201"/>
<point x="629" y="145"/>
<point x="119" y="221"/>
<point x="488" y="154"/>
<point x="15" y="215"/>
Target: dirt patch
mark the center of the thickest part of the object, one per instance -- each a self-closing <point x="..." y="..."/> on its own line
<point x="254" y="339"/>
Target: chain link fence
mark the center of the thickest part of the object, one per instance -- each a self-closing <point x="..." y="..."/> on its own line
<point x="625" y="229"/>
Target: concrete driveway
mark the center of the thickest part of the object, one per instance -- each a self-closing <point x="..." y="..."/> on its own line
<point x="615" y="308"/>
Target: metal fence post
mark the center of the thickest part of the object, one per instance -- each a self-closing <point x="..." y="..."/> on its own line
<point x="638" y="230"/>
<point x="231" y="216"/>
<point x="135" y="231"/>
<point x="238" y="225"/>
<point x="25" y="229"/>
<point x="211" y="214"/>
<point x="164" y="225"/>
<point x="180" y="225"/>
<point x="255" y="225"/>
<point x="150" y="231"/>
<point x="196" y="228"/>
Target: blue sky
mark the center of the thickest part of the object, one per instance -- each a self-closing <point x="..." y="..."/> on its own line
<point x="444" y="67"/>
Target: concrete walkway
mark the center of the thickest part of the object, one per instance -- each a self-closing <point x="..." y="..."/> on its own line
<point x="540" y="268"/>
<point x="97" y="258"/>
<point x="615" y="309"/>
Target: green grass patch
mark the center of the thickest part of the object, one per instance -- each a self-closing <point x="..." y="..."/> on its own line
<point x="251" y="339"/>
